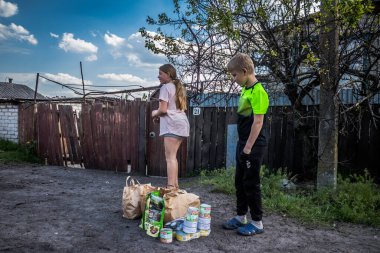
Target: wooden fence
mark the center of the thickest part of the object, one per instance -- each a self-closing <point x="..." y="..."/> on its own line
<point x="294" y="145"/>
<point x="119" y="137"/>
<point x="207" y="142"/>
<point x="103" y="136"/>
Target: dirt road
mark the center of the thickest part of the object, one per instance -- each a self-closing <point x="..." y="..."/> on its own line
<point x="56" y="209"/>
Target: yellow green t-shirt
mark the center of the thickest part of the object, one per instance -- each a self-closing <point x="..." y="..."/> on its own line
<point x="253" y="100"/>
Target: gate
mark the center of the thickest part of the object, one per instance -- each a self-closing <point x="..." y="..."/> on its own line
<point x="156" y="163"/>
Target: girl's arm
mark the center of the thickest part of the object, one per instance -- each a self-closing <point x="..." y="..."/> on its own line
<point x="162" y="109"/>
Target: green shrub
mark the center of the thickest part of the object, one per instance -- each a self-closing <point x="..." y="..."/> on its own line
<point x="356" y="199"/>
<point x="11" y="152"/>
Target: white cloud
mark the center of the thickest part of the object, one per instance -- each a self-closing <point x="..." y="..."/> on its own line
<point x="7" y="9"/>
<point x="54" y="35"/>
<point x="123" y="78"/>
<point x="92" y="57"/>
<point x="17" y="32"/>
<point x="70" y="44"/>
<point x="136" y="60"/>
<point x="113" y="40"/>
<point x="66" y="78"/>
<point x="118" y="45"/>
<point x="133" y="49"/>
<point x="141" y="56"/>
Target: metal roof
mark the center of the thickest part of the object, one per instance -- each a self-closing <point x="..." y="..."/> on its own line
<point x="347" y="96"/>
<point x="13" y="91"/>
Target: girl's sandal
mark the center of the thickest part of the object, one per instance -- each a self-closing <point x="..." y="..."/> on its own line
<point x="170" y="187"/>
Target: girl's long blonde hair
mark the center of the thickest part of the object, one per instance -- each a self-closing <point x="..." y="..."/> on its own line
<point x="180" y="91"/>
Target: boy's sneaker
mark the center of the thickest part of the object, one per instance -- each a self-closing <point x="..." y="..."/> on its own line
<point x="233" y="223"/>
<point x="249" y="229"/>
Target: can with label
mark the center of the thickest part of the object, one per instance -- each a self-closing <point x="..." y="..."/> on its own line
<point x="189" y="230"/>
<point x="166" y="235"/>
<point x="190" y="224"/>
<point x="205" y="211"/>
<point x="192" y="214"/>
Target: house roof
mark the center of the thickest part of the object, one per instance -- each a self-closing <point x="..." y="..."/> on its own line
<point x="13" y="91"/>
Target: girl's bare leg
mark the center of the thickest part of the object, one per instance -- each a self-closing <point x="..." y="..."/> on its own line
<point x="171" y="147"/>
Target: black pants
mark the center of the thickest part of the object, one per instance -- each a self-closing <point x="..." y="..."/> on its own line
<point x="247" y="182"/>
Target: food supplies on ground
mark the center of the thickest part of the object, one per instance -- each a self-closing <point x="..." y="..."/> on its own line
<point x="177" y="202"/>
<point x="193" y="225"/>
<point x="166" y="235"/>
<point x="205" y="211"/>
<point x="184" y="237"/>
<point x="175" y="225"/>
<point x="192" y="214"/>
<point x="205" y="232"/>
<point x="133" y="198"/>
<point x="153" y="216"/>
<point x="204" y="224"/>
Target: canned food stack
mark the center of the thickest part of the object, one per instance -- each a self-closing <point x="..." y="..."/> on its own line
<point x="191" y="220"/>
<point x="189" y="229"/>
<point x="204" y="221"/>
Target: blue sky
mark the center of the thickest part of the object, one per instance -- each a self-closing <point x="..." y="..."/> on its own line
<point x="52" y="36"/>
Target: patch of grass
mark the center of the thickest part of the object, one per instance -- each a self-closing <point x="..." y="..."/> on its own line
<point x="222" y="180"/>
<point x="356" y="199"/>
<point x="11" y="152"/>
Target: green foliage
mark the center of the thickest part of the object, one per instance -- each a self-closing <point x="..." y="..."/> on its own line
<point x="356" y="199"/>
<point x="351" y="11"/>
<point x="222" y="180"/>
<point x="11" y="152"/>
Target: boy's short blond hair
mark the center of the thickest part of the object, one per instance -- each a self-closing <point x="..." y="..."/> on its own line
<point x="239" y="62"/>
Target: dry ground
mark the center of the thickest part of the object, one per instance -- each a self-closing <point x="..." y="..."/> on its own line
<point x="56" y="209"/>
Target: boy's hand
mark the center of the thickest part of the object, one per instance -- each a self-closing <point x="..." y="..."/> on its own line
<point x="245" y="159"/>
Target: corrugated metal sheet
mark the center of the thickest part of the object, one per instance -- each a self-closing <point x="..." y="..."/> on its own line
<point x="17" y="91"/>
<point x="348" y="96"/>
<point x="214" y="100"/>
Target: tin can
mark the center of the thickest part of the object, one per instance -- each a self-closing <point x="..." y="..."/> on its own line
<point x="184" y="237"/>
<point x="204" y="221"/>
<point x="205" y="232"/>
<point x="192" y="214"/>
<point x="190" y="224"/>
<point x="166" y="235"/>
<point x="205" y="211"/>
<point x="189" y="230"/>
<point x="203" y="226"/>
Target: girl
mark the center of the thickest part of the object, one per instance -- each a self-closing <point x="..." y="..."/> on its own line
<point x="174" y="125"/>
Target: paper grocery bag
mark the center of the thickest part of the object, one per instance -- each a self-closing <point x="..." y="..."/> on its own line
<point x="131" y="201"/>
<point x="177" y="202"/>
<point x="144" y="190"/>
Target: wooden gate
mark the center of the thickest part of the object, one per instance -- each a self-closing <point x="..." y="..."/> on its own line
<point x="103" y="136"/>
<point x="54" y="130"/>
<point x="156" y="163"/>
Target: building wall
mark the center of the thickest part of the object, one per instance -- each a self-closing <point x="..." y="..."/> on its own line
<point x="9" y="122"/>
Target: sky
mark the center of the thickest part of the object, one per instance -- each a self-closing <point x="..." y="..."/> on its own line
<point x="52" y="37"/>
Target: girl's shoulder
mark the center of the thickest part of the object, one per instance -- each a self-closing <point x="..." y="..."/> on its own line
<point x="168" y="86"/>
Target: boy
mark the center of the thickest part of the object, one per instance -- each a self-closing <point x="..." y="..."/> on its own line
<point x="253" y="105"/>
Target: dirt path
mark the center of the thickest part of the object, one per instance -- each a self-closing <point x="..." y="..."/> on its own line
<point x="46" y="209"/>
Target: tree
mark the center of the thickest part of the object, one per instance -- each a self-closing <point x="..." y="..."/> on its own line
<point x="283" y="37"/>
<point x="328" y="107"/>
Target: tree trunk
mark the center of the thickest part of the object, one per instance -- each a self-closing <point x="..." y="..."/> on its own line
<point x="328" y="109"/>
